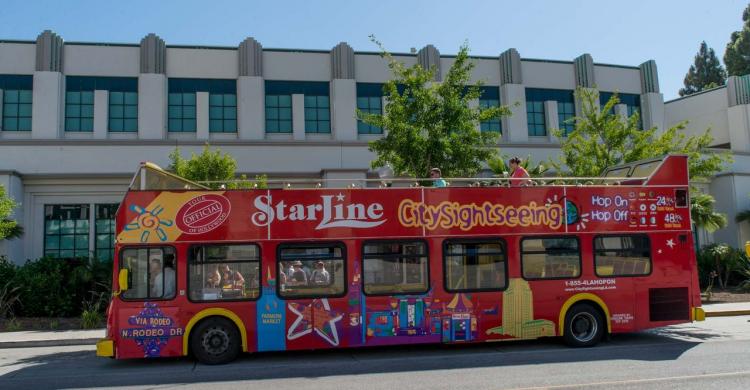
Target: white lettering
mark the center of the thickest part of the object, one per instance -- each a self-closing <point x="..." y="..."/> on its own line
<point x="353" y="215"/>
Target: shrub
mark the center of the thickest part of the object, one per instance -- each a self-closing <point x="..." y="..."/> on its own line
<point x="724" y="260"/>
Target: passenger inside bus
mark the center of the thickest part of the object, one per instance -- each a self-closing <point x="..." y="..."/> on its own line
<point x="213" y="277"/>
<point x="162" y="278"/>
<point x="298" y="276"/>
<point x="319" y="276"/>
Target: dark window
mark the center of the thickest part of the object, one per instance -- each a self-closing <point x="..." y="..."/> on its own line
<point x="395" y="267"/>
<point x="104" y="234"/>
<point x="182" y="112"/>
<point x="631" y="100"/>
<point x="222" y="113"/>
<point x="279" y="105"/>
<point x="490" y="97"/>
<point x="66" y="230"/>
<point x="565" y="116"/>
<point x="151" y="272"/>
<point x="311" y="270"/>
<point x="17" y="99"/>
<point x="278" y="113"/>
<point x="474" y="265"/>
<point x="79" y="102"/>
<point x="550" y="258"/>
<point x="224" y="272"/>
<point x="317" y="114"/>
<point x="535" y="98"/>
<point x="222" y="96"/>
<point x="622" y="255"/>
<point x="370" y="101"/>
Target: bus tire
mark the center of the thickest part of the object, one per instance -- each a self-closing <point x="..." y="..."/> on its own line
<point x="584" y="326"/>
<point x="215" y="340"/>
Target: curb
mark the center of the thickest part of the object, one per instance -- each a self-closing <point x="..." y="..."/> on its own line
<point x="727" y="313"/>
<point x="48" y="343"/>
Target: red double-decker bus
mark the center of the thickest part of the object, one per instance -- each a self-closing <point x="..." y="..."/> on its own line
<point x="217" y="273"/>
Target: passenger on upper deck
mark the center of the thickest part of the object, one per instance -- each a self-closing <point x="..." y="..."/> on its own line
<point x="435" y="175"/>
<point x="518" y="176"/>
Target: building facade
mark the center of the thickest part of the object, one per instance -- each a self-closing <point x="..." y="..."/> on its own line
<point x="77" y="118"/>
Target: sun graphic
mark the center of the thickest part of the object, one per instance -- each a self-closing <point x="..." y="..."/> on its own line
<point x="149" y="221"/>
<point x="573" y="215"/>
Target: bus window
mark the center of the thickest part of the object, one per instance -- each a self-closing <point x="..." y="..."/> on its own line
<point x="478" y="265"/>
<point x="152" y="272"/>
<point x="622" y="255"/>
<point x="550" y="258"/>
<point x="311" y="270"/>
<point x="395" y="267"/>
<point x="224" y="272"/>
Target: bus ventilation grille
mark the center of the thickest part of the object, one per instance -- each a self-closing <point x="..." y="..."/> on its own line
<point x="668" y="304"/>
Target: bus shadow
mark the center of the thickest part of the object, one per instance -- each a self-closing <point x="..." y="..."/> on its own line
<point x="81" y="369"/>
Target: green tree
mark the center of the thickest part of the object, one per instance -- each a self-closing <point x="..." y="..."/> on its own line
<point x="737" y="54"/>
<point x="499" y="166"/>
<point x="601" y="139"/>
<point x="705" y="73"/>
<point x="431" y="124"/>
<point x="213" y="168"/>
<point x="8" y="227"/>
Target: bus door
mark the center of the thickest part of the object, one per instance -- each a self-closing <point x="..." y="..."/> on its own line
<point x="147" y="314"/>
<point x="397" y="306"/>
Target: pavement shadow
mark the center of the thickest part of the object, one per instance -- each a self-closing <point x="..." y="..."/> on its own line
<point x="81" y="369"/>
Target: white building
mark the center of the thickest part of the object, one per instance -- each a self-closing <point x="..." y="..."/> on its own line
<point x="78" y="117"/>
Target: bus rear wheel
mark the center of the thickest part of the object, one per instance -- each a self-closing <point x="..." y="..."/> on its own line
<point x="584" y="326"/>
<point x="215" y="340"/>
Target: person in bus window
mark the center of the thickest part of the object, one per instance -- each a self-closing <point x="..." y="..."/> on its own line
<point x="162" y="278"/>
<point x="230" y="278"/>
<point x="298" y="277"/>
<point x="319" y="276"/>
<point x="437" y="180"/>
<point x="213" y="278"/>
<point x="518" y="176"/>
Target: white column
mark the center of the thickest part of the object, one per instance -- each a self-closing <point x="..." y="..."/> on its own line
<point x="1" y="110"/>
<point x="622" y="111"/>
<point x="579" y="103"/>
<point x="48" y="102"/>
<point x="13" y="249"/>
<point x="152" y="106"/>
<point x="298" y="117"/>
<point x="344" y="106"/>
<point x="101" y="114"/>
<point x="652" y="111"/>
<point x="739" y="121"/>
<point x="201" y="115"/>
<point x="251" y="107"/>
<point x="551" y="120"/>
<point x="515" y="126"/>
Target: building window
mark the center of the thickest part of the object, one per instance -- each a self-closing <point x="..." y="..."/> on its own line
<point x="490" y="97"/>
<point x="79" y="111"/>
<point x="151" y="272"/>
<point x="550" y="258"/>
<point x="123" y="111"/>
<point x="631" y="101"/>
<point x="79" y="102"/>
<point x="278" y="113"/>
<point x="395" y="267"/>
<point x="369" y="101"/>
<point x="17" y="98"/>
<point x="317" y="114"/>
<point x="66" y="230"/>
<point x="182" y="112"/>
<point x="104" y="231"/>
<point x="622" y="255"/>
<point x="566" y="113"/>
<point x="222" y="99"/>
<point x="222" y="113"/>
<point x="279" y="106"/>
<point x="474" y="265"/>
<point x="311" y="271"/>
<point x="535" y="118"/>
<point x="224" y="272"/>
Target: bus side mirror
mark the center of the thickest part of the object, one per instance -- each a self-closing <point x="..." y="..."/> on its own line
<point x="747" y="248"/>
<point x="122" y="279"/>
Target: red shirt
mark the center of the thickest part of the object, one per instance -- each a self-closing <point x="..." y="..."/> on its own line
<point x="518" y="174"/>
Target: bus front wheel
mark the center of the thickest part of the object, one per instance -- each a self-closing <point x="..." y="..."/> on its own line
<point x="215" y="340"/>
<point x="584" y="326"/>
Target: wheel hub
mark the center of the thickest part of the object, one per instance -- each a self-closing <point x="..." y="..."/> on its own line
<point x="584" y="327"/>
<point x="216" y="341"/>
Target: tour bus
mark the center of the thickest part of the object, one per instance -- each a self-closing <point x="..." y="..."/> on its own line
<point x="213" y="273"/>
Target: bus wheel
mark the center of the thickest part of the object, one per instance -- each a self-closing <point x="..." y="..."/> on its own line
<point x="584" y="326"/>
<point x="215" y="341"/>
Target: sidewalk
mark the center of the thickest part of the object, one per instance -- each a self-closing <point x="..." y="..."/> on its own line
<point x="89" y="337"/>
<point x="38" y="338"/>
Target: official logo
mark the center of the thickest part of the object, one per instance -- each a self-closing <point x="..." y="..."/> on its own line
<point x="203" y="214"/>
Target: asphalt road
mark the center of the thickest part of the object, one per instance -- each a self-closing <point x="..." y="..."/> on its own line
<point x="712" y="354"/>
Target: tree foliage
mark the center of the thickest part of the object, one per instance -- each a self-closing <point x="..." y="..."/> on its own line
<point x="601" y="139"/>
<point x="212" y="168"/>
<point x="8" y="227"/>
<point x="500" y="166"/>
<point x="705" y="73"/>
<point x="431" y="124"/>
<point x="737" y="54"/>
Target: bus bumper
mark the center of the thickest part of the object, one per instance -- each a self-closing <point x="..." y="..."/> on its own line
<point x="105" y="348"/>
<point x="699" y="314"/>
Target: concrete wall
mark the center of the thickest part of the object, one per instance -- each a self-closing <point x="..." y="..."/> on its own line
<point x="371" y="68"/>
<point x="296" y="66"/>
<point x="615" y="78"/>
<point x="17" y="58"/>
<point x="202" y="63"/>
<point x="88" y="60"/>
<point x="702" y="111"/>
<point x="552" y="75"/>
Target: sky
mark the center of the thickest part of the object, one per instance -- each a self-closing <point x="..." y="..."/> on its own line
<point x="613" y="32"/>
